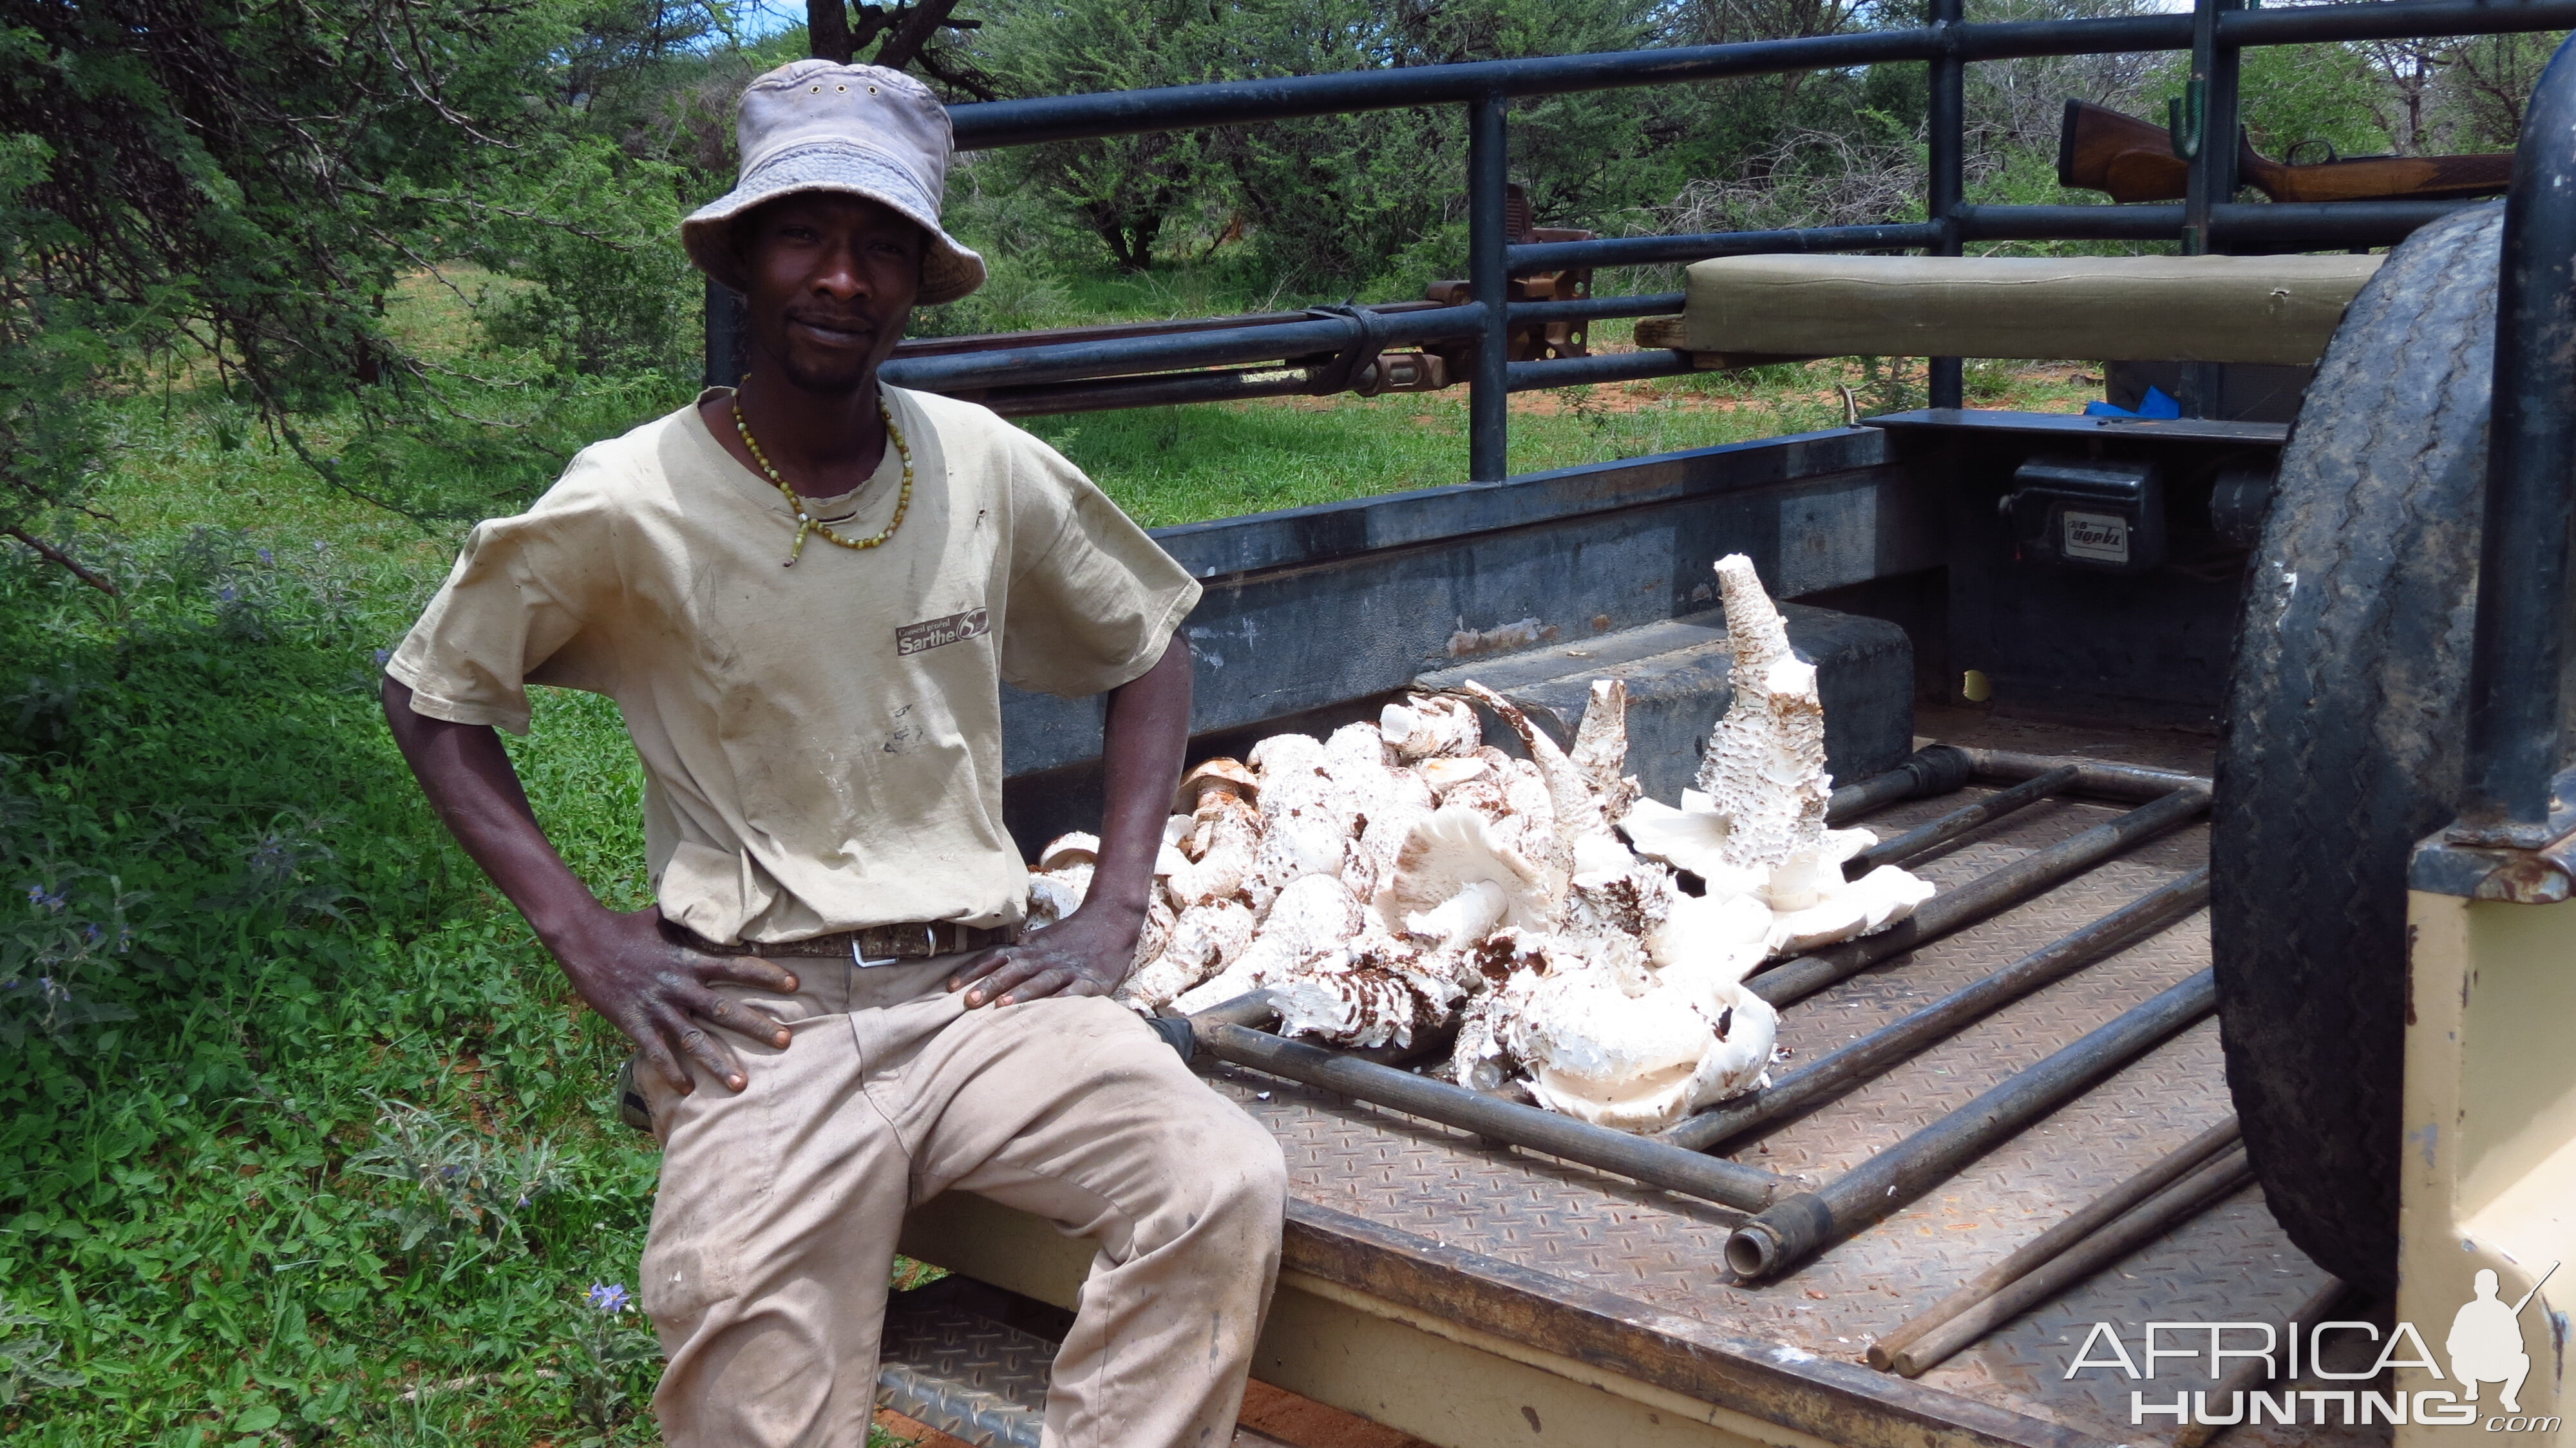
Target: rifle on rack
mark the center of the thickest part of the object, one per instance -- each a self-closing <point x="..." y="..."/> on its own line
<point x="2102" y="150"/>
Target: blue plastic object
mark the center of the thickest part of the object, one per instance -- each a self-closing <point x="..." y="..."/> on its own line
<point x="2154" y="404"/>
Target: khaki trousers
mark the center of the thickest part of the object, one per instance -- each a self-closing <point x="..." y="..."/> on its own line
<point x="774" y="1226"/>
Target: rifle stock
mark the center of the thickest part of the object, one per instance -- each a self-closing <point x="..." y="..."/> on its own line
<point x="2099" y="149"/>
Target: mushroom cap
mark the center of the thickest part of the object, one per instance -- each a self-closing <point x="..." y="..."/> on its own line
<point x="1290" y="751"/>
<point x="1427" y="726"/>
<point x="1055" y="894"/>
<point x="1692" y="838"/>
<point x="1222" y="774"/>
<point x="1640" y="1062"/>
<point x="1864" y="906"/>
<point x="1449" y="849"/>
<point x="1075" y="848"/>
<point x="1447" y="771"/>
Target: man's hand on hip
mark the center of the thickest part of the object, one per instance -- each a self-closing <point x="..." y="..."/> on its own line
<point x="1085" y="954"/>
<point x="658" y="992"/>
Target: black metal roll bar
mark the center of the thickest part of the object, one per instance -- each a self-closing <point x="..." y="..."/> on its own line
<point x="1063" y="375"/>
<point x="2514" y="795"/>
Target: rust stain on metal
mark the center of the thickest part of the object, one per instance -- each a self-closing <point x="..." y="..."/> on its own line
<point x="1526" y="633"/>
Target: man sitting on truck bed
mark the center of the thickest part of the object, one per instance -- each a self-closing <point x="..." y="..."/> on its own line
<point x="803" y="596"/>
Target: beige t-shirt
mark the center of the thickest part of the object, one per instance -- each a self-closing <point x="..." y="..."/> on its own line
<point x="822" y="744"/>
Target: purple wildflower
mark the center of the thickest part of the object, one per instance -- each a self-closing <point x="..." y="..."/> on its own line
<point x="266" y="557"/>
<point x="608" y="1296"/>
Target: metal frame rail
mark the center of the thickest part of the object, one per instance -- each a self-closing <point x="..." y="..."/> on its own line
<point x="1787" y="1225"/>
<point x="1151" y="367"/>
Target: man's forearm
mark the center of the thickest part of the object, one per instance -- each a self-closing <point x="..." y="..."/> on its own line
<point x="469" y="780"/>
<point x="1141" y="749"/>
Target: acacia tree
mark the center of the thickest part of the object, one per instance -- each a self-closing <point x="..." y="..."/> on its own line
<point x="245" y="183"/>
<point x="1122" y="189"/>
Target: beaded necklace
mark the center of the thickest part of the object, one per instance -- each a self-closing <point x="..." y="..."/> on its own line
<point x="806" y="522"/>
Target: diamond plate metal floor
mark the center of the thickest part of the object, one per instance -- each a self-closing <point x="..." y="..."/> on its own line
<point x="1664" y="1252"/>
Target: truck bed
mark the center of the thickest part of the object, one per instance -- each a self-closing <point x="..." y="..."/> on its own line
<point x="1438" y="1283"/>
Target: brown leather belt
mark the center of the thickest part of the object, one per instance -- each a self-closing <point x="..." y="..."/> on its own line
<point x="875" y="944"/>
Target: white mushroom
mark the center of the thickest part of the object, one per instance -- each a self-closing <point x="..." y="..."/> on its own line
<point x="1153" y="936"/>
<point x="1224" y="840"/>
<point x="1429" y="726"/>
<point x="1444" y="773"/>
<point x="1764" y="768"/>
<point x="1374" y="991"/>
<point x="1222" y="775"/>
<point x="1641" y="1061"/>
<point x="1691" y="838"/>
<point x="1055" y="894"/>
<point x="1076" y="848"/>
<point x="1357" y="755"/>
<point x="1455" y="883"/>
<point x="1313" y="914"/>
<point x="1865" y="906"/>
<point x="1204" y="939"/>
<point x="1600" y="749"/>
<point x="1583" y="830"/>
<point x="1760" y="828"/>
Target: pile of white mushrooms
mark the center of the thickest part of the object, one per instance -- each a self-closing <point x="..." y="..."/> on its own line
<point x="1402" y="877"/>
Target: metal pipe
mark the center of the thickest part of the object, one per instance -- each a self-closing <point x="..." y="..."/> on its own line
<point x="992" y="124"/>
<point x="1788" y="1232"/>
<point x="2208" y="130"/>
<point x="1102" y="394"/>
<point x="2092" y="776"/>
<point x="1637" y="1157"/>
<point x="1647" y="250"/>
<point x="1586" y="309"/>
<point x="2085" y="1221"/>
<point x="2195" y="1194"/>
<point x="911" y="347"/>
<point x="1488" y="279"/>
<point x="1936" y="833"/>
<point x="1933" y="769"/>
<point x="1252" y="1008"/>
<point x="1602" y="367"/>
<point x="1988" y="895"/>
<point x="2524" y="545"/>
<point x="1946" y="174"/>
<point x="2340" y="223"/>
<point x="1127" y="356"/>
<point x="2327" y="23"/>
<point x="1846" y="1066"/>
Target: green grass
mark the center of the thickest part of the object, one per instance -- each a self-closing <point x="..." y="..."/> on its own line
<point x="236" y="951"/>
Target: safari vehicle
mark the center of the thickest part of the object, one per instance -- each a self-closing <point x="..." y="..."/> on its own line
<point x="2237" y="1042"/>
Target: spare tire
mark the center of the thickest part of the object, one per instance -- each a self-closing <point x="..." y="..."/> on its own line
<point x="2342" y="744"/>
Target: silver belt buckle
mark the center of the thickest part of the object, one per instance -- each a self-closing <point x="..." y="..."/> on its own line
<point x="929" y="937"/>
<point x="863" y="961"/>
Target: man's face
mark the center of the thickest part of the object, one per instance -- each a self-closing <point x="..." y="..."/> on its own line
<point x="831" y="279"/>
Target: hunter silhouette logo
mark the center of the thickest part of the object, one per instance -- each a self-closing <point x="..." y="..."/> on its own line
<point x="2486" y="1341"/>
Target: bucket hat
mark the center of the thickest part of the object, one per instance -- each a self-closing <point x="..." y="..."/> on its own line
<point x="861" y="130"/>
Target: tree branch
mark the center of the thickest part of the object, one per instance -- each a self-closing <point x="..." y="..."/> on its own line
<point x="52" y="554"/>
<point x="904" y="46"/>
